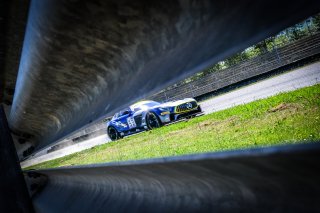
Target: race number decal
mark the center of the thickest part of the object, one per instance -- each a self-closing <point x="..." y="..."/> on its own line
<point x="131" y="122"/>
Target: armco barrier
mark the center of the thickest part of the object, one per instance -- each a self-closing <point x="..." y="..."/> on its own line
<point x="279" y="57"/>
<point x="274" y="179"/>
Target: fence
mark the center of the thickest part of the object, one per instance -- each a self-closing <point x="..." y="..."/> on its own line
<point x="264" y="63"/>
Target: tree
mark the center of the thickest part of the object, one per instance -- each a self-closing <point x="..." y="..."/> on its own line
<point x="316" y="22"/>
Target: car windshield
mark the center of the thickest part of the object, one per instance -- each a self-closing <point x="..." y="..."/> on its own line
<point x="143" y="105"/>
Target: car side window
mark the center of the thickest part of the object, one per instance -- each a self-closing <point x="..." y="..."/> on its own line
<point x="126" y="112"/>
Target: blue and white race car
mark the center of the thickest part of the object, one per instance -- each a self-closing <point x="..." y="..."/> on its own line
<point x="146" y="115"/>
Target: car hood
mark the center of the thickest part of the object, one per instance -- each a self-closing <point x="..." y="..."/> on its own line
<point x="176" y="103"/>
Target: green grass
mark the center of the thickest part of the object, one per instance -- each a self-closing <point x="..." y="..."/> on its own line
<point x="287" y="118"/>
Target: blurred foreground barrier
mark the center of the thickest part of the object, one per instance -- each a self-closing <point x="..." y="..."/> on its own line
<point x="276" y="179"/>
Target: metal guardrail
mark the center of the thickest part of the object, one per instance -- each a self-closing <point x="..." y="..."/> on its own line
<point x="264" y="63"/>
<point x="274" y="179"/>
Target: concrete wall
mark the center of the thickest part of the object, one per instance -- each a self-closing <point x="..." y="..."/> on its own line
<point x="93" y="131"/>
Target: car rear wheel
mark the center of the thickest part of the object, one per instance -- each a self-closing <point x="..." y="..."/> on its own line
<point x="153" y="121"/>
<point x="113" y="133"/>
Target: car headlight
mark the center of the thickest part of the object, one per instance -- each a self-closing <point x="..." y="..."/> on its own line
<point x="164" y="111"/>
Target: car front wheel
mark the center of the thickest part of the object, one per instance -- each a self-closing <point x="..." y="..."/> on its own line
<point x="153" y="121"/>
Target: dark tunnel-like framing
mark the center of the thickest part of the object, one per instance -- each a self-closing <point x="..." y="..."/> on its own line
<point x="89" y="58"/>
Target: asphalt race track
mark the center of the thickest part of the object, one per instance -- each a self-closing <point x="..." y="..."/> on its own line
<point x="302" y="77"/>
<point x="298" y="78"/>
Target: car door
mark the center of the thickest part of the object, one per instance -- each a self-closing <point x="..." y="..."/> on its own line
<point x="126" y="117"/>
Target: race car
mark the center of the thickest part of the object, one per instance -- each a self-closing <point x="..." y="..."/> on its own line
<point x="146" y="115"/>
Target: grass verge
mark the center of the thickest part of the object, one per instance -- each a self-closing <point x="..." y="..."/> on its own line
<point x="286" y="118"/>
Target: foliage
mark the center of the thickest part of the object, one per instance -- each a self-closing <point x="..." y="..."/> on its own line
<point x="316" y="22"/>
